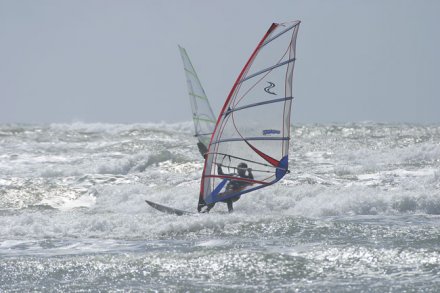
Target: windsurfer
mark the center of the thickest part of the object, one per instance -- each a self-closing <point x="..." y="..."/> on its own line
<point x="202" y="149"/>
<point x="234" y="185"/>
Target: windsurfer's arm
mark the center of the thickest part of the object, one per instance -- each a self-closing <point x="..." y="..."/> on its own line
<point x="220" y="170"/>
<point x="250" y="175"/>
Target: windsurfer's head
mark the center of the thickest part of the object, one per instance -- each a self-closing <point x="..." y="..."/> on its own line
<point x="241" y="169"/>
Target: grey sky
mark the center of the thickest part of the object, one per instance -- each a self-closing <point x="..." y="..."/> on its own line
<point x="118" y="61"/>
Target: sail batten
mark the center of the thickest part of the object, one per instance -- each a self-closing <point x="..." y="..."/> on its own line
<point x="203" y="119"/>
<point x="279" y="34"/>
<point x="191" y="72"/>
<point x="245" y="160"/>
<point x="268" y="69"/>
<point x="248" y="139"/>
<point x="252" y="131"/>
<point x="197" y="96"/>
<point x="257" y="104"/>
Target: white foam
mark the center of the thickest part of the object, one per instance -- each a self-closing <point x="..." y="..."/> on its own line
<point x="212" y="243"/>
<point x="340" y="170"/>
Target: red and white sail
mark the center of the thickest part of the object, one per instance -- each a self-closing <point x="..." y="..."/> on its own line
<point x="254" y="124"/>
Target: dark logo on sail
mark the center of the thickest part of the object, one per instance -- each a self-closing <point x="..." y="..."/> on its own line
<point x="269" y="87"/>
<point x="271" y="131"/>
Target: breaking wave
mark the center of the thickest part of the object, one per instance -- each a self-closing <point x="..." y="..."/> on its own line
<point x="90" y="180"/>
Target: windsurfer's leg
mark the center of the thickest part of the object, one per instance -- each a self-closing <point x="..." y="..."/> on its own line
<point x="230" y="207"/>
<point x="209" y="207"/>
<point x="203" y="204"/>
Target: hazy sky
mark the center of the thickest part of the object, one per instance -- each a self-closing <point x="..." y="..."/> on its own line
<point x="118" y="61"/>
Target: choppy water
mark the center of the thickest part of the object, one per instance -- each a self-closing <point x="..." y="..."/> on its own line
<point x="359" y="212"/>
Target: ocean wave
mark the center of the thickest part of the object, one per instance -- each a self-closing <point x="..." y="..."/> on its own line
<point x="63" y="180"/>
<point x="362" y="201"/>
<point x="119" y="212"/>
<point x="112" y="128"/>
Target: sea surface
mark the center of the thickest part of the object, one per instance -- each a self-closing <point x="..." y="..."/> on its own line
<point x="359" y="212"/>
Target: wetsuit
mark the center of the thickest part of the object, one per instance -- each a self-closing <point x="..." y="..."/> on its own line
<point x="232" y="186"/>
